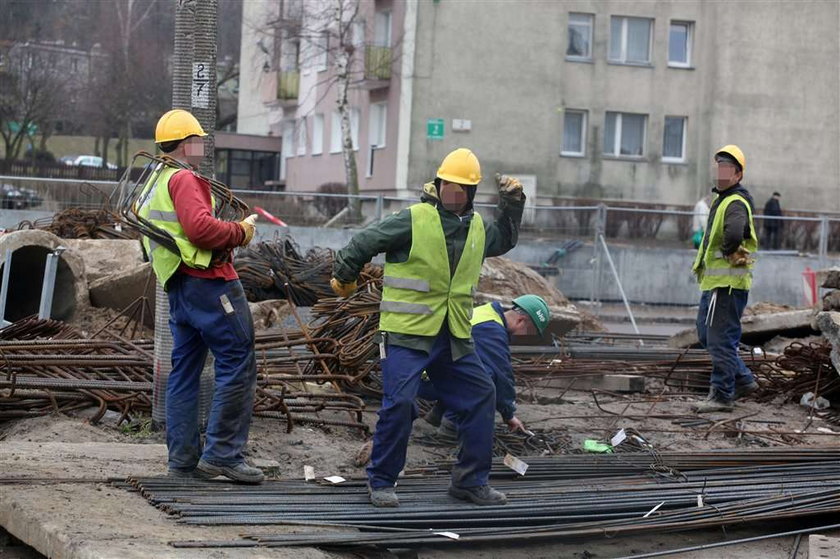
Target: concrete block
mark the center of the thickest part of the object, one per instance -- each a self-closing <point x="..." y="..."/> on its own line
<point x="829" y="325"/>
<point x="758" y="328"/>
<point x="823" y="547"/>
<point x="103" y="257"/>
<point x="119" y="290"/>
<point x="829" y="277"/>
<point x="831" y="300"/>
<point x="609" y="382"/>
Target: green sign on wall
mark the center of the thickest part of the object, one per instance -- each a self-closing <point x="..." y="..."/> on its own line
<point x="434" y="129"/>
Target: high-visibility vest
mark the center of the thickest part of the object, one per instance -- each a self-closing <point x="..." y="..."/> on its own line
<point x="712" y="269"/>
<point x="158" y="209"/>
<point x="419" y="293"/>
<point x="485" y="313"/>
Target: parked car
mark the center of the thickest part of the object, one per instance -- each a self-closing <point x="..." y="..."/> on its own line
<point x="85" y="161"/>
<point x="18" y="198"/>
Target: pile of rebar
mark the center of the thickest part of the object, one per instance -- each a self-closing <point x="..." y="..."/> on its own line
<point x="537" y="442"/>
<point x="78" y="223"/>
<point x="801" y="368"/>
<point x="559" y="498"/>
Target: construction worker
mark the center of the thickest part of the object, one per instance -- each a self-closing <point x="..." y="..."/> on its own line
<point x="433" y="256"/>
<point x="208" y="310"/>
<point x="724" y="267"/>
<point x="492" y="328"/>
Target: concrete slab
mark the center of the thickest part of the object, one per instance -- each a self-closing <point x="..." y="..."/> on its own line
<point x="823" y="547"/>
<point x="52" y="497"/>
<point x="120" y="289"/>
<point x="829" y="325"/>
<point x="829" y="277"/>
<point x="103" y="257"/>
<point x="759" y="328"/>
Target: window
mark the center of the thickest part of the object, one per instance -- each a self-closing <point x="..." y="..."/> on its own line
<point x="300" y="140"/>
<point x="288" y="146"/>
<point x="580" y="37"/>
<point x="318" y="134"/>
<point x="319" y="52"/>
<point x="574" y="132"/>
<point x="357" y="32"/>
<point x="335" y="133"/>
<point x="679" y="44"/>
<point x="382" y="29"/>
<point x="624" y="134"/>
<point x="630" y="40"/>
<point x="673" y="139"/>
<point x="376" y="131"/>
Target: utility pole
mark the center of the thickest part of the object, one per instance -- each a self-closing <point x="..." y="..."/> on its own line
<point x="194" y="90"/>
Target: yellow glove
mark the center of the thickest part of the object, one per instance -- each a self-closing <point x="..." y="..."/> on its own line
<point x="343" y="289"/>
<point x="740" y="257"/>
<point x="509" y="186"/>
<point x="249" y="226"/>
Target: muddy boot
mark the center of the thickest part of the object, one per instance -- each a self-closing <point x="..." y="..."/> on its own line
<point x="482" y="495"/>
<point x="243" y="473"/>
<point x="383" y="497"/>
<point x="713" y="404"/>
<point x="742" y="390"/>
<point x="435" y="414"/>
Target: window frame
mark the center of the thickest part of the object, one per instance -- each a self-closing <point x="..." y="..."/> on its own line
<point x="689" y="25"/>
<point x="670" y="159"/>
<point x="335" y="132"/>
<point x="573" y="57"/>
<point x="583" y="133"/>
<point x="623" y="47"/>
<point x="616" y="154"/>
<point x="301" y="137"/>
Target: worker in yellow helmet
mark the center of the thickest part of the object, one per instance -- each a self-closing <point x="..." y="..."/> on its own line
<point x="723" y="267"/>
<point x="208" y="310"/>
<point x="433" y="256"/>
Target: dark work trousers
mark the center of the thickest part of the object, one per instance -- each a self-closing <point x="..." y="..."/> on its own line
<point x="772" y="237"/>
<point x="720" y="332"/>
<point x="465" y="389"/>
<point x="214" y="314"/>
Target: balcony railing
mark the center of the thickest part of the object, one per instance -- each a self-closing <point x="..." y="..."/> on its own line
<point x="288" y="84"/>
<point x="377" y="62"/>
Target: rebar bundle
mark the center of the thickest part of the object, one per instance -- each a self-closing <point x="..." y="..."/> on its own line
<point x="801" y="368"/>
<point x="559" y="498"/>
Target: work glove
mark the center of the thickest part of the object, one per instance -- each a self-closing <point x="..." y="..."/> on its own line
<point x="249" y="227"/>
<point x="509" y="187"/>
<point x="740" y="257"/>
<point x="342" y="289"/>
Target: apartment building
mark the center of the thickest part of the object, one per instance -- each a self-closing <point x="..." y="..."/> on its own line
<point x="587" y="99"/>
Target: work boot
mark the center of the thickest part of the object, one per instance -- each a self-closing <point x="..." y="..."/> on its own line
<point x="447" y="429"/>
<point x="713" y="404"/>
<point x="481" y="495"/>
<point x="742" y="390"/>
<point x="435" y="415"/>
<point x="383" y="497"/>
<point x="185" y="474"/>
<point x="243" y="473"/>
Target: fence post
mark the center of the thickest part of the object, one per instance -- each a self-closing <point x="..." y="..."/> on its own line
<point x="597" y="264"/>
<point x="380" y="201"/>
<point x="823" y="250"/>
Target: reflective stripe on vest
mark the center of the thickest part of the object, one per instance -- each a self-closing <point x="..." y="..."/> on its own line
<point x="711" y="267"/>
<point x="486" y="313"/>
<point x="420" y="293"/>
<point x="157" y="207"/>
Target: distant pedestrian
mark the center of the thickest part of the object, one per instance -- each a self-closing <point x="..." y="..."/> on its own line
<point x="772" y="226"/>
<point x="701" y="215"/>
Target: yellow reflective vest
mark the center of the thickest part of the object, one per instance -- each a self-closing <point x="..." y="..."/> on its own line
<point x="710" y="266"/>
<point x="420" y="293"/>
<point x="485" y="313"/>
<point x="158" y="209"/>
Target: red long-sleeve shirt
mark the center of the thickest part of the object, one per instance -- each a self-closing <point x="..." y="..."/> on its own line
<point x="191" y="196"/>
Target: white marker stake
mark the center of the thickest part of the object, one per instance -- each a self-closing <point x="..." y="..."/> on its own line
<point x="515" y="464"/>
<point x="654" y="509"/>
<point x="450" y="535"/>
<point x="308" y="473"/>
<point x="335" y="479"/>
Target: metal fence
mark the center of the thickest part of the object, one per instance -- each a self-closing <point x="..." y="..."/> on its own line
<point x="640" y="224"/>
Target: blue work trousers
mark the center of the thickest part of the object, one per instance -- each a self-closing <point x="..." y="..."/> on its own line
<point x="720" y="333"/>
<point x="464" y="388"/>
<point x="214" y="314"/>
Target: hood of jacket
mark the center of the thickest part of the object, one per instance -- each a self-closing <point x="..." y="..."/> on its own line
<point x="432" y="196"/>
<point x="737" y="189"/>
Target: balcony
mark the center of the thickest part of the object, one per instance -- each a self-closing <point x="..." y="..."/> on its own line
<point x="288" y="84"/>
<point x="377" y="67"/>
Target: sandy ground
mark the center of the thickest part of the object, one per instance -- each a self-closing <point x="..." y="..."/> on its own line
<point x="28" y="449"/>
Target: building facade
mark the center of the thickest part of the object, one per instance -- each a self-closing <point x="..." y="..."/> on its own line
<point x="588" y="99"/>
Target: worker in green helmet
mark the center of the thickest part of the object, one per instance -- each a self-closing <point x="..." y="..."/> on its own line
<point x="492" y="329"/>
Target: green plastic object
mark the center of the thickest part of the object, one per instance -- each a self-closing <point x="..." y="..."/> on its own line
<point x="591" y="445"/>
<point x="536" y="308"/>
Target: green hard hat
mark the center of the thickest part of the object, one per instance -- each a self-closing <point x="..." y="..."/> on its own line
<point x="535" y="307"/>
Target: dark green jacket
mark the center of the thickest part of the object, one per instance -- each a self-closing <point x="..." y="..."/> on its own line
<point x="392" y="236"/>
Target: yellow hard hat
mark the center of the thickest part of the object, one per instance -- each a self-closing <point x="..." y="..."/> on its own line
<point x="177" y="124"/>
<point x="734" y="151"/>
<point x="460" y="166"/>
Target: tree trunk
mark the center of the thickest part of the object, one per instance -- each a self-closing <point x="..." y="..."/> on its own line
<point x="342" y="64"/>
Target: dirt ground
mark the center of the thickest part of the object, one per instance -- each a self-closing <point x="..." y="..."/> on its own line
<point x="334" y="451"/>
